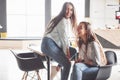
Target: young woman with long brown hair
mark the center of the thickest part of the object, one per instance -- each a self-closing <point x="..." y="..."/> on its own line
<point x="55" y="42"/>
<point x="90" y="54"/>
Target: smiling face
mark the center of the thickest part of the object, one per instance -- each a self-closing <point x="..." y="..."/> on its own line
<point x="69" y="11"/>
<point x="81" y="30"/>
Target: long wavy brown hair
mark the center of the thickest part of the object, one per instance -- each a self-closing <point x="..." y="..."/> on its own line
<point x="52" y="24"/>
<point x="91" y="36"/>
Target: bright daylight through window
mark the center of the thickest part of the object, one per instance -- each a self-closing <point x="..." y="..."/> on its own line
<point x="26" y="18"/>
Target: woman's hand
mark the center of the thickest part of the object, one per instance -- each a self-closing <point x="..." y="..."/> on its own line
<point x="78" y="60"/>
<point x="89" y="62"/>
<point x="58" y="68"/>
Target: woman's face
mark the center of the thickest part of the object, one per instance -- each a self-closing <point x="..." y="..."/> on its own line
<point x="69" y="11"/>
<point x="81" y="30"/>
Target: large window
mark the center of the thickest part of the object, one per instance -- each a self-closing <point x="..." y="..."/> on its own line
<point x="26" y="18"/>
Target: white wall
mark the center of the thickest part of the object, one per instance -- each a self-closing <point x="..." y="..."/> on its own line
<point x="102" y="15"/>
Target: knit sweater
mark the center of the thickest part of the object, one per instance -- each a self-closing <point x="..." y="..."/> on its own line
<point x="93" y="53"/>
<point x="60" y="34"/>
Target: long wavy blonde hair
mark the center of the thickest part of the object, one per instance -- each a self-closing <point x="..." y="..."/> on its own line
<point x="91" y="36"/>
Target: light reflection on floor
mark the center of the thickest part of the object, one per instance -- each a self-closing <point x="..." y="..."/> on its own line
<point x="9" y="69"/>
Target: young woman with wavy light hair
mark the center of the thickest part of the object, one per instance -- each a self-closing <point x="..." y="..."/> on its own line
<point x="90" y="51"/>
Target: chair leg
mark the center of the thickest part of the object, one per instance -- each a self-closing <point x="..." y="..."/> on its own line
<point x="25" y="76"/>
<point x="39" y="78"/>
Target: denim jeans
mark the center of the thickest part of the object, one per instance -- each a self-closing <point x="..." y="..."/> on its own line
<point x="50" y="48"/>
<point x="82" y="71"/>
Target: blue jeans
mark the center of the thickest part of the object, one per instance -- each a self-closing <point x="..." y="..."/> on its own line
<point x="50" y="48"/>
<point x="82" y="71"/>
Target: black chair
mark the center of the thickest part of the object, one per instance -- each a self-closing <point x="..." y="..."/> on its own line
<point x="73" y="53"/>
<point x="29" y="61"/>
<point x="103" y="72"/>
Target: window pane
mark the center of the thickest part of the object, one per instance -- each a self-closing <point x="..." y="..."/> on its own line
<point x="25" y="18"/>
<point x="16" y="26"/>
<point x="35" y="25"/>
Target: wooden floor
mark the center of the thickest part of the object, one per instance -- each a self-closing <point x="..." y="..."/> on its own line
<point x="9" y="69"/>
